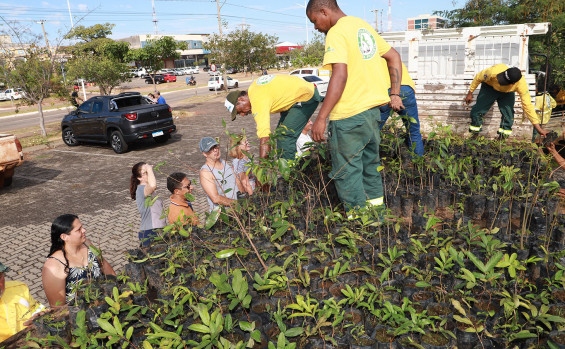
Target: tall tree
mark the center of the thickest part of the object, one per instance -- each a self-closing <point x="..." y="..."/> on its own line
<point x="311" y="54"/>
<point x="497" y="12"/>
<point x="153" y="55"/>
<point x="243" y="49"/>
<point x="27" y="65"/>
<point x="97" y="58"/>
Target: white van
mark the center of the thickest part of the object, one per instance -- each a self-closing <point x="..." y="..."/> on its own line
<point x="323" y="74"/>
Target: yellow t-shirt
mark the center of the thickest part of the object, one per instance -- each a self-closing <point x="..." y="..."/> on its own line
<point x="488" y="76"/>
<point x="354" y="42"/>
<point x="272" y="94"/>
<point x="547" y="106"/>
<point x="406" y="79"/>
<point x="16" y="307"/>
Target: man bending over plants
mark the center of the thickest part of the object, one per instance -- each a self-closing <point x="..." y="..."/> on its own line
<point x="295" y="98"/>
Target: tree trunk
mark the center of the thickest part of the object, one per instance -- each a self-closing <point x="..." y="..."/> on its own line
<point x="41" y="118"/>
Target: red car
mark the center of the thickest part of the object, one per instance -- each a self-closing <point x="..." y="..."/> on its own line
<point x="170" y="77"/>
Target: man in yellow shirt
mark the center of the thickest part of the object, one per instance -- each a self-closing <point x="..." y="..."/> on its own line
<point x="16" y="306"/>
<point x="295" y="98"/>
<point x="544" y="105"/>
<point x="357" y="89"/>
<point x="498" y="83"/>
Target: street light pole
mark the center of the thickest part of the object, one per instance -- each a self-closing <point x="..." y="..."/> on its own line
<point x="70" y="15"/>
<point x="306" y="20"/>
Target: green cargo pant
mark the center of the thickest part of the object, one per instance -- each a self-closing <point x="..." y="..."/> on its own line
<point x="295" y="119"/>
<point x="354" y="146"/>
<point x="486" y="98"/>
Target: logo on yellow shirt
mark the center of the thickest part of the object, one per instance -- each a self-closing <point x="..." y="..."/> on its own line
<point x="329" y="49"/>
<point x="367" y="43"/>
<point x="265" y="79"/>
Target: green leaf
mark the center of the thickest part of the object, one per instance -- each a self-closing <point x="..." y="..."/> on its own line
<point x="199" y="328"/>
<point x="293" y="332"/>
<point x="212" y="217"/>
<point x="256" y="335"/>
<point x="105" y="325"/>
<point x="118" y="326"/>
<point x="246" y="326"/>
<point x="423" y="284"/>
<point x="225" y="253"/>
<point x="129" y="332"/>
<point x="147" y="345"/>
<point x="241" y="251"/>
<point x="523" y="334"/>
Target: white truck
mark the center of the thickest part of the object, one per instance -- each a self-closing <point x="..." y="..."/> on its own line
<point x="443" y="63"/>
<point x="11" y="156"/>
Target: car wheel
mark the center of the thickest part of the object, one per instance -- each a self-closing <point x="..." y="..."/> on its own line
<point x="157" y="82"/>
<point x="162" y="139"/>
<point x="221" y="86"/>
<point x="118" y="144"/>
<point x="236" y="85"/>
<point x="146" y="81"/>
<point x="69" y="137"/>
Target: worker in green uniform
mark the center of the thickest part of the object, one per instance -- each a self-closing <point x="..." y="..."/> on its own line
<point x="499" y="83"/>
<point x="293" y="97"/>
<point x="356" y="90"/>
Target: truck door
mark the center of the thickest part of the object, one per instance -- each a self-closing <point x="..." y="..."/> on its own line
<point x="80" y="124"/>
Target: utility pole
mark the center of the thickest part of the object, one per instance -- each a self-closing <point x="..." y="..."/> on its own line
<point x="376" y="11"/>
<point x="70" y="15"/>
<point x="243" y="25"/>
<point x="306" y="20"/>
<point x="44" y="35"/>
<point x="154" y="17"/>
<point x="224" y="74"/>
<point x="389" y="16"/>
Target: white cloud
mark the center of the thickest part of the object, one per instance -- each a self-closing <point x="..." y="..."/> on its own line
<point x="83" y="7"/>
<point x="44" y="4"/>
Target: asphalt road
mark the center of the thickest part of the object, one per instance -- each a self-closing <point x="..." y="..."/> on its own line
<point x="174" y="98"/>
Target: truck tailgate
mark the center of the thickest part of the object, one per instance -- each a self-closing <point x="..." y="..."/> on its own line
<point x="9" y="154"/>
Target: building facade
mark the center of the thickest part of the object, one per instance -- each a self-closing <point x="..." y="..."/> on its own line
<point x="425" y="22"/>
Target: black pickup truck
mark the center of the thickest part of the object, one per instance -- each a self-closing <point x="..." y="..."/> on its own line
<point x="119" y="120"/>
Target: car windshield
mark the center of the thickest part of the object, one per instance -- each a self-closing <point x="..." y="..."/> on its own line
<point x="311" y="78"/>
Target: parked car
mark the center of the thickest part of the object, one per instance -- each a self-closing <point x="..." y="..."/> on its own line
<point x="231" y="70"/>
<point x="119" y="120"/>
<point x="170" y="77"/>
<point x="159" y="79"/>
<point x="217" y="83"/>
<point x="11" y="156"/>
<point x="179" y="71"/>
<point x="206" y="68"/>
<point x="323" y="74"/>
<point x="192" y="70"/>
<point x="319" y="83"/>
<point x="139" y="72"/>
<point x="165" y="71"/>
<point x="11" y="94"/>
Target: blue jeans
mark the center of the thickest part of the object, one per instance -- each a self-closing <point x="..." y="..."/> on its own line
<point x="146" y="237"/>
<point x="411" y="111"/>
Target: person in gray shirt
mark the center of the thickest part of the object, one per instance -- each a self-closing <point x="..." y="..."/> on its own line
<point x="143" y="185"/>
<point x="217" y="178"/>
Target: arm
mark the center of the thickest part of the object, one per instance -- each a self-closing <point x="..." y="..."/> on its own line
<point x="479" y="78"/>
<point x="528" y="108"/>
<point x="208" y="183"/>
<point x="107" y="268"/>
<point x="335" y="90"/>
<point x="54" y="278"/>
<point x="395" y="71"/>
<point x="264" y="147"/>
<point x="244" y="179"/>
<point x="560" y="160"/>
<point x="151" y="181"/>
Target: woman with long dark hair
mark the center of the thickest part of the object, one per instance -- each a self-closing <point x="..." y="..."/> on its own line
<point x="70" y="261"/>
<point x="143" y="185"/>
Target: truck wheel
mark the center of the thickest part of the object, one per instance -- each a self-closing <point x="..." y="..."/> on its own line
<point x="8" y="181"/>
<point x="69" y="137"/>
<point x="236" y="85"/>
<point x="162" y="139"/>
<point x="117" y="142"/>
<point x="221" y="86"/>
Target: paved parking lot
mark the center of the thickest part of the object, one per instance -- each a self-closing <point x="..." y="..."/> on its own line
<point x="92" y="182"/>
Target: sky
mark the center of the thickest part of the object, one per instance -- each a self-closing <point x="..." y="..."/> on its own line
<point x="285" y="19"/>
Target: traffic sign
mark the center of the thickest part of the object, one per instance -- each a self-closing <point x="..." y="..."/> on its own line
<point x="213" y="67"/>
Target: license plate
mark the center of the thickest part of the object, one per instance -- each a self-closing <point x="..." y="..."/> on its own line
<point x="157" y="134"/>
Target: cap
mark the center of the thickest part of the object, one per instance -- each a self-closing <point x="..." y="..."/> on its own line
<point x="3" y="268"/>
<point x="231" y="101"/>
<point x="509" y="76"/>
<point x="207" y="143"/>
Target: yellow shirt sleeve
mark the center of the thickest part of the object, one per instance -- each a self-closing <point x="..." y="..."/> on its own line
<point x="336" y="49"/>
<point x="261" y="111"/>
<point x="479" y="78"/>
<point x="527" y="105"/>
